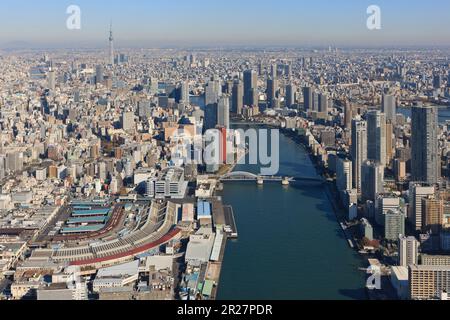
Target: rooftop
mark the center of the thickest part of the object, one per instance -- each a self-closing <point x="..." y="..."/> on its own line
<point x="126" y="269"/>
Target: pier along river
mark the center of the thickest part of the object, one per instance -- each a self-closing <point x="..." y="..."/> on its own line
<point x="290" y="244"/>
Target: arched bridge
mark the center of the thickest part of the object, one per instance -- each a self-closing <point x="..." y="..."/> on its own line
<point x="242" y="176"/>
<point x="239" y="176"/>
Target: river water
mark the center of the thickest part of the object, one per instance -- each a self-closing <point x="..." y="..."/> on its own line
<point x="443" y="114"/>
<point x="290" y="245"/>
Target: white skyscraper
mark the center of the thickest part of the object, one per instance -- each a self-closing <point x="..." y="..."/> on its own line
<point x="344" y="174"/>
<point x="358" y="150"/>
<point x="372" y="180"/>
<point x="113" y="186"/>
<point x="417" y="192"/>
<point x="408" y="251"/>
<point x="388" y="107"/>
<point x="127" y="121"/>
<point x="51" y="79"/>
<point x="224" y="112"/>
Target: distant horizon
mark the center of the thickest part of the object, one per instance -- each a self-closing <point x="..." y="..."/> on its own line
<point x="234" y="23"/>
<point x="37" y="47"/>
<point x="13" y="45"/>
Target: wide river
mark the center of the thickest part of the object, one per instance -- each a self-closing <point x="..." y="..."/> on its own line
<point x="290" y="244"/>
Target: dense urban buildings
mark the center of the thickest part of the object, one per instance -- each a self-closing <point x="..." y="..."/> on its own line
<point x="108" y="191"/>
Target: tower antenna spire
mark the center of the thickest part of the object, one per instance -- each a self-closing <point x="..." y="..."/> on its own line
<point x="111" y="45"/>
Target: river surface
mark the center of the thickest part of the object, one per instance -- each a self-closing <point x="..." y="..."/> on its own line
<point x="290" y="245"/>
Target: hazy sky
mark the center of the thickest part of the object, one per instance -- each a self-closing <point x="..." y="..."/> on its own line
<point x="155" y="23"/>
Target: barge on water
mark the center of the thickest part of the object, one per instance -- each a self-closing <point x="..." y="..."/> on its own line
<point x="230" y="223"/>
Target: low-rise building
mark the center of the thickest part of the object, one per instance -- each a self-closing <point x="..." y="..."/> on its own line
<point x="116" y="276"/>
<point x="434" y="260"/>
<point x="10" y="253"/>
<point x="428" y="282"/>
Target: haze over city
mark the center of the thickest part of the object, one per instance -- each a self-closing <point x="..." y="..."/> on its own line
<point x="160" y="23"/>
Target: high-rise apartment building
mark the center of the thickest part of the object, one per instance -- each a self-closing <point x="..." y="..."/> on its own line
<point x="223" y="112"/>
<point x="237" y="97"/>
<point x="127" y="120"/>
<point x="99" y="74"/>
<point x="389" y="107"/>
<point x="212" y="91"/>
<point x="348" y="115"/>
<point x="323" y="103"/>
<point x="417" y="192"/>
<point x="14" y="161"/>
<point x="51" y="79"/>
<point x="358" y="150"/>
<point x="250" y="87"/>
<point x="272" y="88"/>
<point x="389" y="143"/>
<point x="383" y="204"/>
<point x="372" y="178"/>
<point x="432" y="214"/>
<point x="290" y="95"/>
<point x="211" y="116"/>
<point x="344" y="174"/>
<point x="408" y="248"/>
<point x="376" y="137"/>
<point x="394" y="225"/>
<point x="424" y="144"/>
<point x="308" y="98"/>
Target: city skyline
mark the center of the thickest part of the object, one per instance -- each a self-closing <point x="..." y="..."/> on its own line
<point x="201" y="23"/>
<point x="233" y="151"/>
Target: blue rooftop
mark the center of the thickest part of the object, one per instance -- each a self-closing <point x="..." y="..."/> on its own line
<point x="203" y="209"/>
<point x="87" y="220"/>
<point x="83" y="229"/>
<point x="96" y="212"/>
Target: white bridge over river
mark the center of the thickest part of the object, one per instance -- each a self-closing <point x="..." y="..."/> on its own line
<point x="242" y="176"/>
